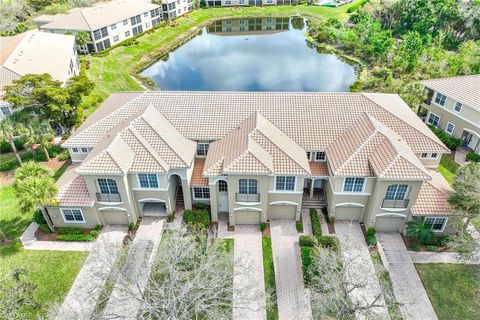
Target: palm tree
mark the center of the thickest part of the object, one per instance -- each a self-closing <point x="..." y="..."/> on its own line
<point x="8" y="131"/>
<point x="35" y="188"/>
<point x="82" y="38"/>
<point x="419" y="230"/>
<point x="40" y="133"/>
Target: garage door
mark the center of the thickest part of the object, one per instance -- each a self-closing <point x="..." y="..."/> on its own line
<point x="348" y="213"/>
<point x="278" y="212"/>
<point x="389" y="224"/>
<point x="247" y="217"/>
<point x="114" y="217"/>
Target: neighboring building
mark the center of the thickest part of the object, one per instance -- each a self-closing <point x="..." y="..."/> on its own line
<point x="453" y="104"/>
<point x="175" y="8"/>
<point x="253" y="157"/>
<point x="249" y="26"/>
<point x="228" y="3"/>
<point x="108" y="23"/>
<point x="35" y="52"/>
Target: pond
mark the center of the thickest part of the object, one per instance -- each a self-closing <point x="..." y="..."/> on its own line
<point x="258" y="54"/>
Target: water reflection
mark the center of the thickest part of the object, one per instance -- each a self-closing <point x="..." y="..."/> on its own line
<point x="259" y="54"/>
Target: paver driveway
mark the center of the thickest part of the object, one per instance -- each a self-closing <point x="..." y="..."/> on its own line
<point x="359" y="265"/>
<point x="291" y="299"/>
<point x="249" y="285"/>
<point x="407" y="286"/>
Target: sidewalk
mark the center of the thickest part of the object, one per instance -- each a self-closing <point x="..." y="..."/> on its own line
<point x="439" y="257"/>
<point x="29" y="242"/>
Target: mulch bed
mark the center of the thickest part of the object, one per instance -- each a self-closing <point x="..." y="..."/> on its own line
<point x="266" y="232"/>
<point x="231" y="228"/>
<point x="52" y="236"/>
<point x="423" y="247"/>
<point x="331" y="228"/>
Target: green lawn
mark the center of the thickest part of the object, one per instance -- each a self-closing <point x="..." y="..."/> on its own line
<point x="269" y="277"/>
<point x="52" y="271"/>
<point x="448" y="167"/>
<point x="453" y="289"/>
<point x="112" y="71"/>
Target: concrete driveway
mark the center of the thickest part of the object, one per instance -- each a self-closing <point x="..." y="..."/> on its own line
<point x="407" y="285"/>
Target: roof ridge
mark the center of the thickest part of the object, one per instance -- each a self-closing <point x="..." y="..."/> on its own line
<point x="148" y="147"/>
<point x="86" y="21"/>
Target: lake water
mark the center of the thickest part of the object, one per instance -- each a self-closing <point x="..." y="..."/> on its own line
<point x="258" y="54"/>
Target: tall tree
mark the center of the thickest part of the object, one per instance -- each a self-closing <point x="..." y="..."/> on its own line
<point x="8" y="130"/>
<point x="35" y="188"/>
<point x="39" y="132"/>
<point x="82" y="38"/>
<point x="465" y="200"/>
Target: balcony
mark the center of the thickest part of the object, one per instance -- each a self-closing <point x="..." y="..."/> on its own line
<point x="395" y="204"/>
<point x="245" y="197"/>
<point x="109" y="197"/>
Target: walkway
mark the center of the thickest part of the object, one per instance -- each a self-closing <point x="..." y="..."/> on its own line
<point x="248" y="282"/>
<point x="30" y="242"/>
<point x="359" y="266"/>
<point x="439" y="257"/>
<point x="135" y="272"/>
<point x="307" y="222"/>
<point x="407" y="286"/>
<point x="291" y="299"/>
<point x="461" y="154"/>
<point x="85" y="291"/>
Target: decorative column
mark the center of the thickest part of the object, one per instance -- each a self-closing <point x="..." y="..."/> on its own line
<point x="187" y="197"/>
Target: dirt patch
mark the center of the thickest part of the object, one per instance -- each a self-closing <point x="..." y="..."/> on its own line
<point x="266" y="232"/>
<point x="331" y="228"/>
<point x="43" y="236"/>
<point x="6" y="178"/>
<point x="231" y="228"/>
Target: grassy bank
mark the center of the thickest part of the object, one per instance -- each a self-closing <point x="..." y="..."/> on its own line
<point x="269" y="277"/>
<point x="448" y="167"/>
<point x="113" y="71"/>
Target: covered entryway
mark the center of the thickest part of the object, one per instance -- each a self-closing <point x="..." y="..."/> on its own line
<point x="153" y="207"/>
<point x="247" y="216"/>
<point x="222" y="188"/>
<point x="283" y="211"/>
<point x="114" y="215"/>
<point x="352" y="211"/>
<point x="389" y="223"/>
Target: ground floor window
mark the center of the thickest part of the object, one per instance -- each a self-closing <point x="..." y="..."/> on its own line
<point x="433" y="119"/>
<point x="73" y="215"/>
<point x="201" y="193"/>
<point x="436" y="224"/>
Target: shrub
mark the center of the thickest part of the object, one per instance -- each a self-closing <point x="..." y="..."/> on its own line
<point x="5" y="145"/>
<point x="306" y="255"/>
<point x="75" y="237"/>
<point x="316" y="227"/>
<point x="432" y="248"/>
<point x="415" y="247"/>
<point x="54" y="150"/>
<point x="64" y="155"/>
<point x="263" y="226"/>
<point x="329" y="242"/>
<point x="170" y="218"/>
<point x="197" y="218"/>
<point x="38" y="217"/>
<point x="371" y="231"/>
<point x="69" y="230"/>
<point x="355" y="6"/>
<point x="10" y="165"/>
<point x="307" y="241"/>
<point x="473" y="157"/>
<point x="371" y="240"/>
<point x="418" y="230"/>
<point x="201" y="206"/>
<point x="98" y="227"/>
<point x="131" y="226"/>
<point x="299" y="226"/>
<point x="44" y="227"/>
<point x="94" y="233"/>
<point x="451" y="142"/>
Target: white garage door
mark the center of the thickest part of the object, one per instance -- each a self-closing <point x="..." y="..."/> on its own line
<point x="114" y="217"/>
<point x="287" y="212"/>
<point x="247" y="217"/>
<point x="348" y="213"/>
<point x="389" y="223"/>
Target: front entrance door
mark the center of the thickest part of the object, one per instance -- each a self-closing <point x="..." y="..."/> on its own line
<point x="223" y="199"/>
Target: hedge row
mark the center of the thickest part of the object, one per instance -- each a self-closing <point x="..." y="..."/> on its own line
<point x="316" y="227"/>
<point x="38" y="156"/>
<point x="450" y="141"/>
<point x="197" y="218"/>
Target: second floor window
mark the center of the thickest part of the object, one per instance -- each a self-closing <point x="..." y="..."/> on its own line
<point x="247" y="186"/>
<point x="284" y="183"/>
<point x="107" y="186"/>
<point x="458" y="107"/>
<point x="440" y="99"/>
<point x="148" y="180"/>
<point x="396" y="192"/>
<point x="320" y="156"/>
<point x="353" y="184"/>
<point x="202" y="149"/>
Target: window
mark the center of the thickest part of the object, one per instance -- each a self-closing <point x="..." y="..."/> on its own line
<point x="396" y="192"/>
<point x="284" y="183"/>
<point x="353" y="184"/>
<point x="136" y="20"/>
<point x="458" y="107"/>
<point x="222" y="186"/>
<point x="97" y="35"/>
<point x="424" y="155"/>
<point x="436" y="224"/>
<point x="106" y="43"/>
<point x="202" y="149"/>
<point x="145" y="14"/>
<point x="113" y="26"/>
<point x="309" y="155"/>
<point x="127" y="34"/>
<point x="115" y="39"/>
<point x="104" y="31"/>
<point x="434" y="155"/>
<point x="107" y="186"/>
<point x="320" y="156"/>
<point x="440" y="99"/>
<point x="137" y="30"/>
<point x="100" y="46"/>
<point x="6" y="111"/>
<point x="148" y="180"/>
<point x="433" y="119"/>
<point x="201" y="193"/>
<point x="450" y="128"/>
<point x="247" y="186"/>
<point x="228" y="2"/>
<point x="125" y="22"/>
<point x="75" y="150"/>
<point x="72" y="215"/>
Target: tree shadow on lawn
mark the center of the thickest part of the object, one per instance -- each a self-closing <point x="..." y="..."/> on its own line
<point x="13" y="228"/>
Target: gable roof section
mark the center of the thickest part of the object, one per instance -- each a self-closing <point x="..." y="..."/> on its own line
<point x="432" y="200"/>
<point x="464" y="89"/>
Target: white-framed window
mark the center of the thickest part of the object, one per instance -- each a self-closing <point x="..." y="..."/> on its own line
<point x="396" y="192"/>
<point x="201" y="193"/>
<point x="75" y="150"/>
<point x="125" y="22"/>
<point x="247" y="186"/>
<point x="351" y="184"/>
<point x="6" y="111"/>
<point x="450" y="128"/>
<point x="458" y="107"/>
<point x="107" y="186"/>
<point x="115" y="38"/>
<point x="145" y="14"/>
<point x="113" y="26"/>
<point x="424" y="155"/>
<point x="436" y="223"/>
<point x="309" y="155"/>
<point x="222" y="186"/>
<point x="433" y="119"/>
<point x="440" y="99"/>
<point x="319" y="156"/>
<point x="127" y="34"/>
<point x="72" y="215"/>
<point x="84" y="150"/>
<point x="202" y="149"/>
<point x="285" y="183"/>
<point x="434" y="155"/>
<point x="148" y="180"/>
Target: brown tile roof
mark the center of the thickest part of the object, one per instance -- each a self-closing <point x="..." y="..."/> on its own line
<point x="319" y="169"/>
<point x="198" y="180"/>
<point x="465" y="89"/>
<point x="73" y="191"/>
<point x="433" y="196"/>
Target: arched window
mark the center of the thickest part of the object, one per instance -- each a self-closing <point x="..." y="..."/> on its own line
<point x="247" y="186"/>
<point x="222" y="186"/>
<point x="107" y="186"/>
<point x="396" y="192"/>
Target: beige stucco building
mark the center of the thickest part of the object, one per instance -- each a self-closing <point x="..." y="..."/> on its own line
<point x="253" y="157"/>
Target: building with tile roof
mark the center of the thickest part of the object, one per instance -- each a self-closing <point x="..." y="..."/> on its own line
<point x="254" y="157"/>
